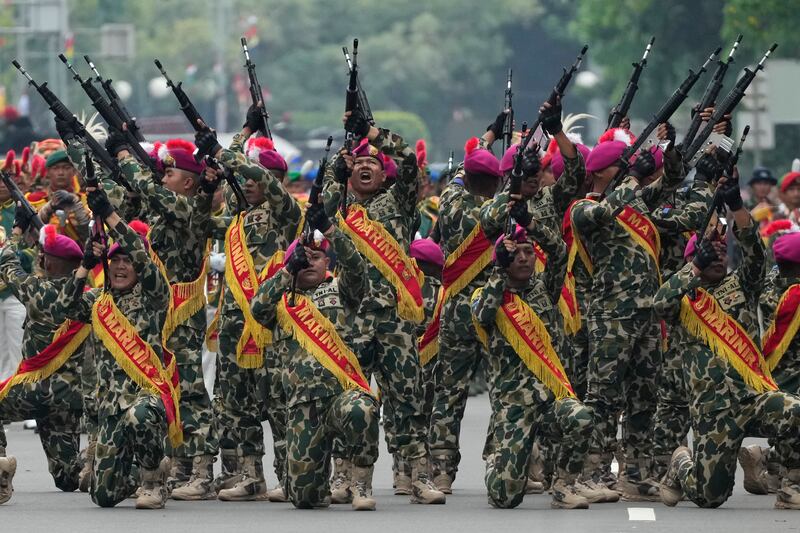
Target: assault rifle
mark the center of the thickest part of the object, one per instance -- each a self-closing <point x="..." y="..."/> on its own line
<point x="62" y="113"/>
<point x="620" y="110"/>
<point x="116" y="102"/>
<point x="508" y="126"/>
<point x="19" y="199"/>
<point x="194" y="118"/>
<point x="255" y="91"/>
<point x="710" y="95"/>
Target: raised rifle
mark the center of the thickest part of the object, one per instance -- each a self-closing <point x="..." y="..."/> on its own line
<point x="352" y="65"/>
<point x="112" y="118"/>
<point x="558" y="92"/>
<point x="116" y="102"/>
<point x="98" y="228"/>
<point x="194" y="118"/>
<point x="255" y="91"/>
<point x="710" y="94"/>
<point x="19" y="199"/>
<point x="727" y="105"/>
<point x="661" y="116"/>
<point x="313" y="197"/>
<point x="620" y="110"/>
<point x="514" y="188"/>
<point x="62" y="113"/>
<point x="508" y="126"/>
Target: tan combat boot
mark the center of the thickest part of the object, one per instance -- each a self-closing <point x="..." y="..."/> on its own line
<point x="772" y="477"/>
<point x="422" y="490"/>
<point x="535" y="482"/>
<point x="340" y="482"/>
<point x="442" y="477"/>
<point x="277" y="495"/>
<point x="179" y="473"/>
<point x="231" y="471"/>
<point x="8" y="467"/>
<point x="402" y="476"/>
<point x="87" y="471"/>
<point x="754" y="463"/>
<point x="565" y="495"/>
<point x="201" y="483"/>
<point x="788" y="496"/>
<point x="153" y="494"/>
<point x="595" y="492"/>
<point x="671" y="490"/>
<point x="361" y="487"/>
<point x="635" y="485"/>
<point x="251" y="486"/>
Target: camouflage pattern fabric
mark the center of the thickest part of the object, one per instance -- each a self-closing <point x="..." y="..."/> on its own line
<point x="787" y="373"/>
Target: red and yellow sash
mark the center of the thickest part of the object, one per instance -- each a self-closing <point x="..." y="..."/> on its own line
<point x="139" y="361"/>
<point x="212" y="331"/>
<point x="643" y="232"/>
<point x="568" y="300"/>
<point x="784" y="327"/>
<point x="726" y="338"/>
<point x="428" y="343"/>
<point x="378" y="246"/>
<point x="317" y="335"/>
<point x="66" y="340"/>
<point x="466" y="261"/>
<point x="528" y="336"/>
<point x="186" y="298"/>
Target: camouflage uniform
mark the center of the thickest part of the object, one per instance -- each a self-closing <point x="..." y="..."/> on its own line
<point x="385" y="343"/>
<point x="55" y="402"/>
<point x="520" y="402"/>
<point x="787" y="373"/>
<point x="250" y="394"/>
<point x="319" y="409"/>
<point x="132" y="421"/>
<point x="684" y="214"/>
<point x="723" y="407"/>
<point x="624" y="337"/>
<point x="179" y="227"/>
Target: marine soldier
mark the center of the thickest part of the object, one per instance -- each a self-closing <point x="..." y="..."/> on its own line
<point x="733" y="395"/>
<point x="328" y="396"/>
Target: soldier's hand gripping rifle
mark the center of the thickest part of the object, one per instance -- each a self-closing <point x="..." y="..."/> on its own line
<point x="116" y="102"/>
<point x="197" y="122"/>
<point x="62" y="113"/>
<point x="662" y="115"/>
<point x="710" y="94"/>
<point x="98" y="228"/>
<point x="508" y="126"/>
<point x="558" y="92"/>
<point x="620" y="110"/>
<point x="727" y="105"/>
<point x="114" y="120"/>
<point x="19" y="199"/>
<point x="514" y="189"/>
<point x="255" y="91"/>
<point x="313" y="197"/>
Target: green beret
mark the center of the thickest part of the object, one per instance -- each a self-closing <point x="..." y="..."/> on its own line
<point x="55" y="158"/>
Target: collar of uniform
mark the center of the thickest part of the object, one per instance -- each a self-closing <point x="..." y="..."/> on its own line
<point x="8" y="203"/>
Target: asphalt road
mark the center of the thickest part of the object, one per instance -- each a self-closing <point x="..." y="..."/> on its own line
<point x="37" y="506"/>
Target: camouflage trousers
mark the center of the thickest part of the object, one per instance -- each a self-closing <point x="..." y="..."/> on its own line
<point x="708" y="479"/>
<point x="512" y="429"/>
<point x="88" y="388"/>
<point x="460" y="354"/>
<point x="671" y="422"/>
<point x="351" y="418"/>
<point x="55" y="405"/>
<point x="624" y="363"/>
<point x="246" y="397"/>
<point x="134" y="435"/>
<point x="576" y="360"/>
<point x="387" y="347"/>
<point x="199" y="435"/>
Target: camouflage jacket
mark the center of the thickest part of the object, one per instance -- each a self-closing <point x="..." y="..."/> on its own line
<point x="145" y="306"/>
<point x="268" y="227"/>
<point x="787" y="373"/>
<point x="625" y="276"/>
<point x="509" y="378"/>
<point x="395" y="208"/>
<point x="304" y="378"/>
<point x="26" y="255"/>
<point x="179" y="228"/>
<point x="683" y="214"/>
<point x="714" y="384"/>
<point x="430" y="295"/>
<point x="549" y="203"/>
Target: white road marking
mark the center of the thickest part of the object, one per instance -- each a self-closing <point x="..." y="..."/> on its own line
<point x="642" y="514"/>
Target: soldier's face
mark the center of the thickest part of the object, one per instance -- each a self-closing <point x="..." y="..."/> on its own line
<point x="178" y="181"/>
<point x="60" y="175"/>
<point x="792" y="196"/>
<point x="367" y="177"/>
<point x="717" y="270"/>
<point x="602" y="178"/>
<point x="121" y="272"/>
<point x="761" y="189"/>
<point x="253" y="193"/>
<point x="546" y="177"/>
<point x="522" y="266"/>
<point x="530" y="185"/>
<point x="312" y="276"/>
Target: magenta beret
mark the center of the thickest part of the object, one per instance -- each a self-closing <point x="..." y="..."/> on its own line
<point x="319" y="243"/>
<point x="59" y="245"/>
<point x="367" y="150"/>
<point x="604" y="155"/>
<point x="507" y="162"/>
<point x="179" y="153"/>
<point x="557" y="162"/>
<point x="389" y="166"/>
<point x="691" y="246"/>
<point x="658" y="155"/>
<point x="787" y="248"/>
<point x="520" y="235"/>
<point x="482" y="162"/>
<point x="428" y="251"/>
